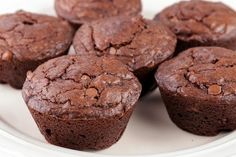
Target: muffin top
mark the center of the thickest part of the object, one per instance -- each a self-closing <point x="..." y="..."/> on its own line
<point x="137" y="42"/>
<point x="74" y="87"/>
<point x="83" y="11"/>
<point x="204" y="72"/>
<point x="200" y="21"/>
<point x="26" y="36"/>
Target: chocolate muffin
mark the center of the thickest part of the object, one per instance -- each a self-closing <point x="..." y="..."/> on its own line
<point x="201" y="23"/>
<point x="198" y="88"/>
<point x="81" y="11"/>
<point x="139" y="43"/>
<point x="27" y="40"/>
<point x="81" y="102"/>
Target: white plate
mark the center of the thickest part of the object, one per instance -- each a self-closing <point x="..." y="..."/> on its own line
<point x="149" y="133"/>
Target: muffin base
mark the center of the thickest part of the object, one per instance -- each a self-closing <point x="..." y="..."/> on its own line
<point x="94" y="134"/>
<point x="200" y="117"/>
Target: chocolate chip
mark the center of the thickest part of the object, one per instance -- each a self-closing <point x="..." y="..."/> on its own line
<point x="214" y="90"/>
<point x="7" y="56"/>
<point x="92" y="92"/>
<point x="112" y="51"/>
<point x="29" y="75"/>
<point x="192" y="78"/>
<point x="85" y="80"/>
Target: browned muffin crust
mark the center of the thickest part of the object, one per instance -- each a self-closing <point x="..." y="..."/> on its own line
<point x="27" y="40"/>
<point x="201" y="23"/>
<point x="88" y="96"/>
<point x="198" y="88"/>
<point x="83" y="11"/>
<point x="139" y="43"/>
<point x="91" y="87"/>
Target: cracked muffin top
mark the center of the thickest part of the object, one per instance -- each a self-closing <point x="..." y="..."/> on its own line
<point x="75" y="87"/>
<point x="207" y="73"/>
<point x="137" y="42"/>
<point x="33" y="37"/>
<point x="84" y="11"/>
<point x="200" y="21"/>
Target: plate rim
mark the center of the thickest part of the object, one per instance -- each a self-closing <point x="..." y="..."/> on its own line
<point x="12" y="137"/>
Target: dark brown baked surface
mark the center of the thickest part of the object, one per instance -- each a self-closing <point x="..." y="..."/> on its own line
<point x="28" y="39"/>
<point x="81" y="102"/>
<point x="141" y="44"/>
<point x="198" y="88"/>
<point x="135" y="41"/>
<point x="201" y="23"/>
<point x="74" y="87"/>
<point x="83" y="11"/>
